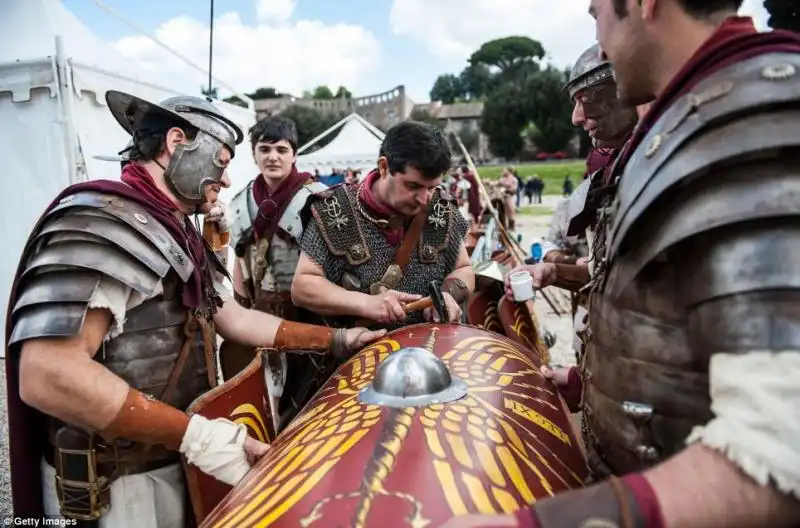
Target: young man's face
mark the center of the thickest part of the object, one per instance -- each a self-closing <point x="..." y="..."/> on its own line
<point x="274" y="160"/>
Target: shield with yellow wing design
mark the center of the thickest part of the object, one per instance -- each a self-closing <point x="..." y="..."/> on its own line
<point x="431" y="422"/>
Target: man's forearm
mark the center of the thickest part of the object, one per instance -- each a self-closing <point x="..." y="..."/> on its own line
<point x="82" y="392"/>
<point x="700" y="487"/>
<point x="696" y="488"/>
<point x="323" y="297"/>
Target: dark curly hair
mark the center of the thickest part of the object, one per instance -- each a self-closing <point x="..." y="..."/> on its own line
<point x="417" y="145"/>
<point x="150" y="139"/>
<point x="273" y="129"/>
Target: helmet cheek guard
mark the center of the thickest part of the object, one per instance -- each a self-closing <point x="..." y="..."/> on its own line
<point x="193" y="167"/>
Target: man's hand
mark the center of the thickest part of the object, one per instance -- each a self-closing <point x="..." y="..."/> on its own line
<point x="583" y="261"/>
<point x="558" y="374"/>
<point x="358" y="338"/>
<point x="453" y="310"/>
<point x="253" y="449"/>
<point x="388" y="306"/>
<point x="219" y="214"/>
<point x="543" y="275"/>
<point x="220" y="448"/>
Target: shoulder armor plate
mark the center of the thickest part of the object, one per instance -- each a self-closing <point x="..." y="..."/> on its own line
<point x="436" y="233"/>
<point x="335" y="212"/>
<point x="243" y="210"/>
<point x="291" y="222"/>
<point x="744" y="110"/>
<point x="84" y="238"/>
<point x="139" y="219"/>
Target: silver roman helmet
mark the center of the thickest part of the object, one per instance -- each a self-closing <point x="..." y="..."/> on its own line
<point x="592" y="77"/>
<point x="196" y="164"/>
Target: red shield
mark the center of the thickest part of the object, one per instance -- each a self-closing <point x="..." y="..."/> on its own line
<point x="241" y="400"/>
<point x="505" y="444"/>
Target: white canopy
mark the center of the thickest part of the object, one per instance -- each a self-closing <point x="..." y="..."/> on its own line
<point x="54" y="73"/>
<point x="356" y="146"/>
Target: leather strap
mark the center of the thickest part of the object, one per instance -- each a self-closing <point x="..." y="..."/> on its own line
<point x="410" y="240"/>
<point x="394" y="273"/>
<point x="189" y="329"/>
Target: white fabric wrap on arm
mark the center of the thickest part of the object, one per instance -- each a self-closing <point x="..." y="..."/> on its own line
<point x="216" y="447"/>
<point x="756" y="401"/>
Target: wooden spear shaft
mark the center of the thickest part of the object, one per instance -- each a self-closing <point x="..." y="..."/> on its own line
<point x="516" y="251"/>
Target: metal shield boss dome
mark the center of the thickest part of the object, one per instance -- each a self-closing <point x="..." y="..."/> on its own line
<point x="412" y="377"/>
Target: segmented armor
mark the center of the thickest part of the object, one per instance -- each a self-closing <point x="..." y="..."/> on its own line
<point x="697" y="256"/>
<point x="92" y="237"/>
<point x="354" y="252"/>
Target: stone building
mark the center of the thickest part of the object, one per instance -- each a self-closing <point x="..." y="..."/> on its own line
<point x="389" y="108"/>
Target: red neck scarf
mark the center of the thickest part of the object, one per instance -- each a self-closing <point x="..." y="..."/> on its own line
<point x="140" y="187"/>
<point x="394" y="235"/>
<point x="271" y="205"/>
<point x="735" y="40"/>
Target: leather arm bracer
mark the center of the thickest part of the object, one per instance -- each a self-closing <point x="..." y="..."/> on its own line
<point x="146" y="420"/>
<point x="457" y="289"/>
<point x="301" y="337"/>
<point x="629" y="502"/>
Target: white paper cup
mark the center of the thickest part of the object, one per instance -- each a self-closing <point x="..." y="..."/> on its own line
<point x="522" y="286"/>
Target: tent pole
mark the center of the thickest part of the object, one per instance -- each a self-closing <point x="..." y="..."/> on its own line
<point x="247" y="100"/>
<point x="65" y="97"/>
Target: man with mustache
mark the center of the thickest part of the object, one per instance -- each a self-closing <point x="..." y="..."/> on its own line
<point x="690" y="390"/>
<point x="112" y="327"/>
<point x="371" y="247"/>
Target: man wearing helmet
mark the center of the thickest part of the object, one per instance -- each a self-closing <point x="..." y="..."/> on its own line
<point x="111" y="331"/>
<point x="690" y="392"/>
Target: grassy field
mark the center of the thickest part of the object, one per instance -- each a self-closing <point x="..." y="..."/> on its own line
<point x="534" y="210"/>
<point x="551" y="172"/>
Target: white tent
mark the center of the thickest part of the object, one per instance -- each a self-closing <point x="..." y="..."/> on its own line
<point x="356" y="146"/>
<point x="54" y="73"/>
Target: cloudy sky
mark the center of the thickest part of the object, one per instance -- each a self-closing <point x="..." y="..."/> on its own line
<point x="367" y="45"/>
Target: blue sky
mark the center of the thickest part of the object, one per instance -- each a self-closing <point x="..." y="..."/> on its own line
<point x="370" y="46"/>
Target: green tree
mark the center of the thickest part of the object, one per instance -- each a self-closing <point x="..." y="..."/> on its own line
<point x="260" y="93"/>
<point x="512" y="57"/>
<point x="477" y="81"/>
<point x="550" y="109"/>
<point x="447" y="89"/>
<point x="310" y="123"/>
<point x="504" y="118"/>
<point x="322" y="92"/>
<point x="783" y="14"/>
<point x="343" y="93"/>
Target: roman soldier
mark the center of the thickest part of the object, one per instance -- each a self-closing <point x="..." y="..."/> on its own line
<point x="265" y="233"/>
<point x="371" y="247"/>
<point x="111" y="331"/>
<point x="689" y="385"/>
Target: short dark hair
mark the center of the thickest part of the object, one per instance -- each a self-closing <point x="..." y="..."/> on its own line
<point x="696" y="8"/>
<point x="416" y="145"/>
<point x="150" y="138"/>
<point x="273" y="129"/>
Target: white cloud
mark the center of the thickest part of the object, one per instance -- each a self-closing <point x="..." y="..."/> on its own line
<point x="563" y="27"/>
<point x="290" y="56"/>
<point x="274" y="11"/>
